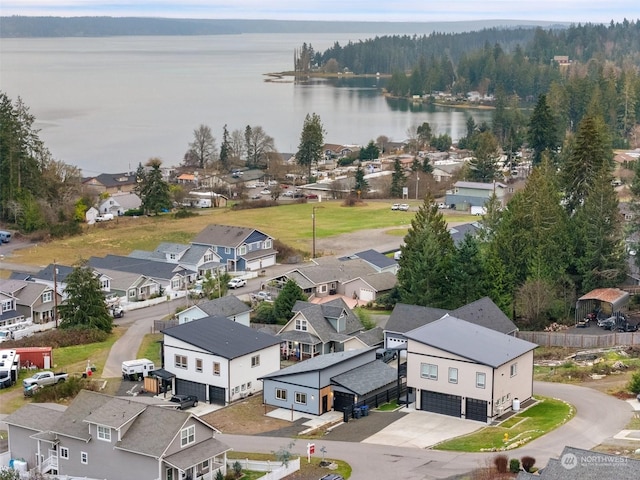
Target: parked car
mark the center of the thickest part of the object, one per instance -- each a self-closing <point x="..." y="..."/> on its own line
<point x="312" y="196"/>
<point x="395" y="206"/>
<point x="609" y="323"/>
<point x="443" y="205"/>
<point x="332" y="476"/>
<point x="628" y="327"/>
<point x="601" y="322"/>
<point x="265" y="192"/>
<point x="117" y="312"/>
<point x="184" y="401"/>
<point x="45" y="378"/>
<point x="236" y="283"/>
<point x="256" y="196"/>
<point x="288" y="193"/>
<point x="404" y="207"/>
<point x="261" y="296"/>
<point x="386" y="354"/>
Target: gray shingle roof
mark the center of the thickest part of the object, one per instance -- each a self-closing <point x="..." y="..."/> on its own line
<point x="115" y="413"/>
<point x="579" y="464"/>
<point x="189" y="457"/>
<point x="150" y="268"/>
<point x="35" y="417"/>
<point x="331" y="269"/>
<point x="226" y="306"/>
<point x="481" y="312"/>
<point x="319" y="362"/>
<point x="468" y="340"/>
<point x="220" y="336"/>
<point x="367" y="378"/>
<point x="224" y="235"/>
<point x="460" y="231"/>
<point x="318" y="315"/>
<point x="381" y="281"/>
<point x="373" y="337"/>
<point x="376" y="258"/>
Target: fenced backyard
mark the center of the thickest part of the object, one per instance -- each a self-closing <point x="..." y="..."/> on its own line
<point x="580" y="340"/>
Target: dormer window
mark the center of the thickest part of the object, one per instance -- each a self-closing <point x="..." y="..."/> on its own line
<point x="104" y="433"/>
<point x="47" y="297"/>
<point x="267" y="244"/>
<point x="301" y="324"/>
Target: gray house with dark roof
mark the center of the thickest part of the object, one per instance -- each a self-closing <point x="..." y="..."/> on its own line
<point x="219" y="360"/>
<point x="35" y="301"/>
<point x="228" y="306"/>
<point x="405" y="317"/>
<point x="239" y="248"/>
<point x="318" y="329"/>
<point x="462" y="369"/>
<point x="199" y="258"/>
<point x="329" y="382"/>
<point x="105" y="437"/>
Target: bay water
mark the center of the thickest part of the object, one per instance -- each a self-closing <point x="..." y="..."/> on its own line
<point x="106" y="104"/>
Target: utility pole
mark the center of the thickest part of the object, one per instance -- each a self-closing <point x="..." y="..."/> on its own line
<point x="55" y="293"/>
<point x="417" y="180"/>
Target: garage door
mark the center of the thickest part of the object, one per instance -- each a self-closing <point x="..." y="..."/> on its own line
<point x="342" y="400"/>
<point x="186" y="387"/>
<point x="476" y="409"/>
<point x="217" y="395"/>
<point x="441" y="403"/>
<point x="367" y="295"/>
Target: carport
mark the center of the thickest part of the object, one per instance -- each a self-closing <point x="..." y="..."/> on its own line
<point x="603" y="301"/>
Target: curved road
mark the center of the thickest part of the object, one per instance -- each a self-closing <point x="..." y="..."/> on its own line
<point x="598" y="417"/>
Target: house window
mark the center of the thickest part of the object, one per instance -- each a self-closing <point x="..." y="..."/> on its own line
<point x="242" y="250"/>
<point x="236" y="389"/>
<point x="64" y="453"/>
<point x="301" y="398"/>
<point x="104" y="284"/>
<point x="104" y="433"/>
<point x="227" y="250"/>
<point x="172" y="256"/>
<point x="514" y="369"/>
<point x="453" y="375"/>
<point x="281" y="394"/>
<point x="132" y="293"/>
<point x="255" y="361"/>
<point x="216" y="368"/>
<point x="199" y="365"/>
<point x="203" y="467"/>
<point x="301" y="324"/>
<point x="248" y="385"/>
<point x="429" y="371"/>
<point x="47" y="297"/>
<point x="267" y="244"/>
<point x="84" y="458"/>
<point x="181" y="361"/>
<point x="187" y="436"/>
<point x="169" y="475"/>
<point x="481" y="379"/>
<point x="323" y="289"/>
<point x="244" y="387"/>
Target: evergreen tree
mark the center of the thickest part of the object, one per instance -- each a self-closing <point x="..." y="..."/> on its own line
<point x="425" y="264"/>
<point x="426" y="165"/>
<point x="600" y="256"/>
<point x="85" y="306"/>
<point x="467" y="280"/>
<point x="398" y="180"/>
<point x="544" y="135"/>
<point x="141" y="178"/>
<point x="311" y="142"/>
<point x="483" y="167"/>
<point x="588" y="154"/>
<point x="370" y="152"/>
<point x="424" y="135"/>
<point x="361" y="186"/>
<point x="155" y="194"/>
<point x="286" y="299"/>
<point x="225" y="149"/>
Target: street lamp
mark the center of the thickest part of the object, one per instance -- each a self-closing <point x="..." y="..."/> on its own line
<point x="417" y="180"/>
<point x="313" y="221"/>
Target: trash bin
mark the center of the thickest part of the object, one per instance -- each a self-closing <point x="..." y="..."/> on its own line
<point x="357" y="412"/>
<point x="365" y="410"/>
<point x="345" y="415"/>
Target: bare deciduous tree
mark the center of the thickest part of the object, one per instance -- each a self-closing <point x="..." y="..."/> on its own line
<point x="202" y="151"/>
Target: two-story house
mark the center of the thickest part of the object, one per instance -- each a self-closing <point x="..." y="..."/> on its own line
<point x="110" y="183"/>
<point x="240" y="248"/>
<point x="219" y="360"/>
<point x="228" y="306"/>
<point x="103" y="437"/>
<point x="199" y="258"/>
<point x="464" y="370"/>
<point x="8" y="313"/>
<point x="318" y="329"/>
<point x="35" y="301"/>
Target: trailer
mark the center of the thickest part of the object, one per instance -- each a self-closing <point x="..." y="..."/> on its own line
<point x="136" y="369"/>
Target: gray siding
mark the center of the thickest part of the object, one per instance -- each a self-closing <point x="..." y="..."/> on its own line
<point x="21" y="446"/>
<point x="313" y="398"/>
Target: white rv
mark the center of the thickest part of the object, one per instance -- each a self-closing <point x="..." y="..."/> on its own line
<point x="136" y="369"/>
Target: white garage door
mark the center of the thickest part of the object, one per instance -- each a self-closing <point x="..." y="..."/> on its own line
<point x="367" y="295"/>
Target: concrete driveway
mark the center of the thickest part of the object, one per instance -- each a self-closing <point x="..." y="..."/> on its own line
<point x="419" y="429"/>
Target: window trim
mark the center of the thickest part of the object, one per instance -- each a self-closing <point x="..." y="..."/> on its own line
<point x="281" y="394"/>
<point x="84" y="458"/>
<point x="300" y="398"/>
<point x="255" y="361"/>
<point x="430" y="368"/>
<point x="47" y="296"/>
<point x="180" y="361"/>
<point x="513" y="369"/>
<point x="187" y="436"/>
<point x="63" y="452"/>
<point x="216" y="369"/>
<point x="483" y="376"/>
<point x="103" y="433"/>
<point x="199" y="365"/>
<point x="451" y="377"/>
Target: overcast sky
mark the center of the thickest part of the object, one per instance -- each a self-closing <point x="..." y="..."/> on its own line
<point x="597" y="11"/>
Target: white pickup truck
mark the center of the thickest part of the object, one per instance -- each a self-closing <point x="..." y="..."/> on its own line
<point x="44" y="378"/>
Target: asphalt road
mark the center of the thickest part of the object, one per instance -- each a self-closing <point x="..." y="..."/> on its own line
<point x="598" y="418"/>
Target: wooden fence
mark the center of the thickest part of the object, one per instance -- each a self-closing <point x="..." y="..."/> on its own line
<point x="577" y="340"/>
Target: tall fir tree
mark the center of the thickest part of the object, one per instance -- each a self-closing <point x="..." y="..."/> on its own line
<point x="286" y="299"/>
<point x="225" y="149"/>
<point x="398" y="180"/>
<point x="311" y="142"/>
<point x="361" y="186"/>
<point x="544" y="134"/>
<point x="155" y="194"/>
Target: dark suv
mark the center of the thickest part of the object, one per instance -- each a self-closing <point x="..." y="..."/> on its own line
<point x="386" y="354"/>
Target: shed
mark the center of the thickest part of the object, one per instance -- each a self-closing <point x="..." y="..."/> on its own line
<point x="605" y="301"/>
<point x="41" y="357"/>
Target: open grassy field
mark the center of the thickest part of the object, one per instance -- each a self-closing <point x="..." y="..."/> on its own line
<point x="291" y="224"/>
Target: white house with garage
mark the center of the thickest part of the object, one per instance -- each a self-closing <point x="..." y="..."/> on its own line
<point x="219" y="360"/>
<point x="465" y="370"/>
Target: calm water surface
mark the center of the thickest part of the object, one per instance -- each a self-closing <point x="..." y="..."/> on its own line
<point x="107" y="104"/>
